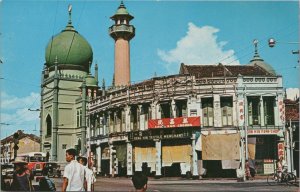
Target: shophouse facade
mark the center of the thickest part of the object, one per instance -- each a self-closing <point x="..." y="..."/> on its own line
<point x="200" y="118"/>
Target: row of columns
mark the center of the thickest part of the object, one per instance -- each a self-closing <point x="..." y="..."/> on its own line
<point x="155" y="114"/>
<point x="158" y="158"/>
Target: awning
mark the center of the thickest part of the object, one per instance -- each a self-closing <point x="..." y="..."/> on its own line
<point x="221" y="147"/>
<point x="144" y="155"/>
<point x="176" y="154"/>
<point x="251" y="147"/>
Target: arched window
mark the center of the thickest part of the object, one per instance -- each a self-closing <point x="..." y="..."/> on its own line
<point x="49" y="125"/>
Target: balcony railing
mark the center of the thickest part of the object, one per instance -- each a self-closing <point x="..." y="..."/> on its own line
<point x="121" y="28"/>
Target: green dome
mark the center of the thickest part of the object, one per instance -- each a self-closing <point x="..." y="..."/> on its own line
<point x="71" y="49"/>
<point x="90" y="81"/>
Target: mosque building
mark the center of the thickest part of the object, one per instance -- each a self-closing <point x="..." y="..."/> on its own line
<point x="67" y="86"/>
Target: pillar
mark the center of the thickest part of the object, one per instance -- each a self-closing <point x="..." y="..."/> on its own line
<point x="154" y="110"/>
<point x="262" y="114"/>
<point x="158" y="158"/>
<point x="127" y="118"/>
<point x="99" y="153"/>
<point x="173" y="107"/>
<point x="96" y="74"/>
<point x="113" y="161"/>
<point x="194" y="158"/>
<point x="83" y="119"/>
<point x="217" y="111"/>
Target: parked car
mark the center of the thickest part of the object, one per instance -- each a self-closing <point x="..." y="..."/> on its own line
<point x="7" y="170"/>
<point x="52" y="169"/>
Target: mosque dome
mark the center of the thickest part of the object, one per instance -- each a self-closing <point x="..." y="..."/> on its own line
<point x="70" y="48"/>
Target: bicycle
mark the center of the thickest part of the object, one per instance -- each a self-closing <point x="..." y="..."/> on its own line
<point x="288" y="178"/>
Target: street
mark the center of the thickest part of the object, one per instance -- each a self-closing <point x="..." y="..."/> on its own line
<point x="179" y="184"/>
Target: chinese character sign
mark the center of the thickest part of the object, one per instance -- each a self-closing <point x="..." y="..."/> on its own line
<point x="174" y="122"/>
<point x="241" y="112"/>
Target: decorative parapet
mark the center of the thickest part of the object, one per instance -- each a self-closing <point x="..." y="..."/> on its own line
<point x="260" y="80"/>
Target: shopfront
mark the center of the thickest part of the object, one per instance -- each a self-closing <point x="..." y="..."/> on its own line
<point x="265" y="147"/>
<point x="175" y="151"/>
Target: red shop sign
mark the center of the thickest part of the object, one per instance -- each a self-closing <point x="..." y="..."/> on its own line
<point x="174" y="122"/>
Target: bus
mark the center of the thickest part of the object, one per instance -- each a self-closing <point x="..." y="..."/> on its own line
<point x="36" y="161"/>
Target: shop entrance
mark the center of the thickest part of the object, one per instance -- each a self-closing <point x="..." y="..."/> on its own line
<point x="214" y="170"/>
<point x="172" y="171"/>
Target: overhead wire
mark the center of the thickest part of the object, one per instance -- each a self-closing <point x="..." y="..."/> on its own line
<point x="19" y="82"/>
<point x="53" y="30"/>
<point x="285" y="28"/>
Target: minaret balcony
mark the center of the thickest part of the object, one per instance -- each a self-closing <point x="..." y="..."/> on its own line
<point x="122" y="31"/>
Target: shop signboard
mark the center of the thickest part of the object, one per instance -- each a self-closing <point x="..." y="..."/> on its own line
<point x="268" y="168"/>
<point x="263" y="131"/>
<point x="174" y="122"/>
<point x="162" y="134"/>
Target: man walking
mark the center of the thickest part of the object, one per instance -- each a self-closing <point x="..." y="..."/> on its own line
<point x="89" y="174"/>
<point x="74" y="173"/>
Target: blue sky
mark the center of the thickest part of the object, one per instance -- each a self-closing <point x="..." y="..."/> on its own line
<point x="167" y="33"/>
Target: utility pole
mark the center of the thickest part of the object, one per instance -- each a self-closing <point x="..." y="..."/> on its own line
<point x="34" y="137"/>
<point x="16" y="142"/>
<point x="290" y="145"/>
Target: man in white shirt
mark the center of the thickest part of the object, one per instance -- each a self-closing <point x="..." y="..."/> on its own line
<point x="74" y="174"/>
<point x="89" y="174"/>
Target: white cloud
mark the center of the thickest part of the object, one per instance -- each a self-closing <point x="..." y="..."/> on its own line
<point x="13" y="102"/>
<point x="292" y="93"/>
<point x="16" y="116"/>
<point x="199" y="46"/>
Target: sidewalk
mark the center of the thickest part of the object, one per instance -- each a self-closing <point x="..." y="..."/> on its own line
<point x="174" y="180"/>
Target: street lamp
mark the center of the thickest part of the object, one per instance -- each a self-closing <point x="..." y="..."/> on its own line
<point x="272" y="42"/>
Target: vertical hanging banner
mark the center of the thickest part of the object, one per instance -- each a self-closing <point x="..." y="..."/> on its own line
<point x="281" y="111"/>
<point x="280" y="147"/>
<point x="174" y="122"/>
<point x="241" y="112"/>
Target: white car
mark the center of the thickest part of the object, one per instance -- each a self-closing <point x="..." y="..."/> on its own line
<point x="7" y="170"/>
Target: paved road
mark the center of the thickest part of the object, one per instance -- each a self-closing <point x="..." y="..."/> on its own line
<point x="178" y="184"/>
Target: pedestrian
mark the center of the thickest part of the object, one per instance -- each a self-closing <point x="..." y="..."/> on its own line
<point x="22" y="176"/>
<point x="74" y="173"/>
<point x="45" y="183"/>
<point x="247" y="170"/>
<point x="280" y="167"/>
<point x="253" y="165"/>
<point x="89" y="174"/>
<point x="139" y="181"/>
